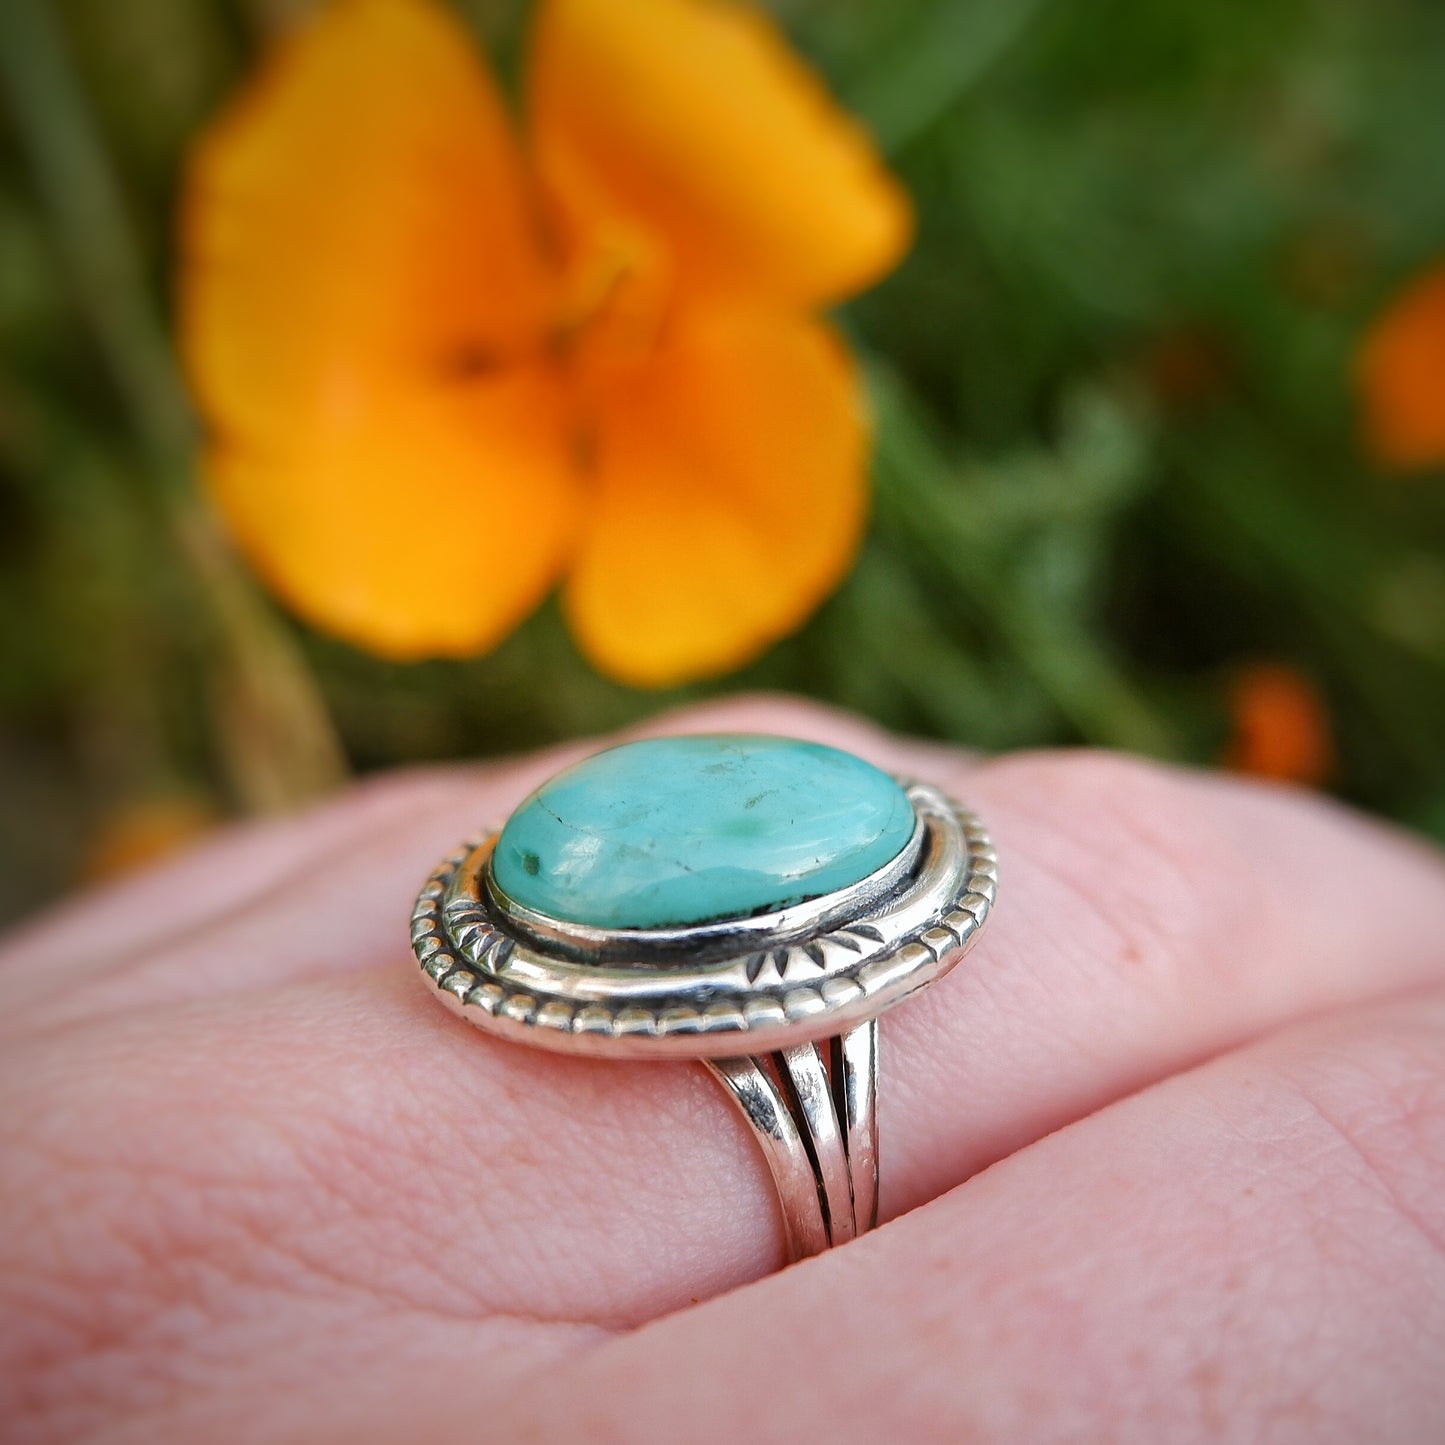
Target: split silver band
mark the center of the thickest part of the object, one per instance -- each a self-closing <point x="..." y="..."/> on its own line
<point x="783" y="1008"/>
<point x="814" y="1110"/>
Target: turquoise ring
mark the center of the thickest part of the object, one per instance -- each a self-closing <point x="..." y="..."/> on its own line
<point x="748" y="900"/>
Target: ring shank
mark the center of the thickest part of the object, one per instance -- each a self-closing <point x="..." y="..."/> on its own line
<point x="813" y="1109"/>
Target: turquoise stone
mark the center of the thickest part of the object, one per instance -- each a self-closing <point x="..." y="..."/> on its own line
<point x="677" y="831"/>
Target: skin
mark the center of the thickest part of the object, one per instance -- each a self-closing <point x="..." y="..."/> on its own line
<point x="1164" y="1158"/>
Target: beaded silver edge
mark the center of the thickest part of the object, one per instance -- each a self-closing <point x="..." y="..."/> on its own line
<point x="772" y="992"/>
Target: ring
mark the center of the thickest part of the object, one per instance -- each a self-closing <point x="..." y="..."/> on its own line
<point x="754" y="902"/>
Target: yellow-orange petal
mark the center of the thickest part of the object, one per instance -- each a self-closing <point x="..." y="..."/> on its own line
<point x="693" y="120"/>
<point x="730" y="489"/>
<point x="416" y="522"/>
<point x="363" y="205"/>
<point x="1400" y="373"/>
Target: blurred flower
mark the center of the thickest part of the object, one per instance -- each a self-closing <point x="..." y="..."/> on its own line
<point x="1188" y="367"/>
<point x="1280" y="726"/>
<point x="143" y="832"/>
<point x="442" y="373"/>
<point x="1401" y="377"/>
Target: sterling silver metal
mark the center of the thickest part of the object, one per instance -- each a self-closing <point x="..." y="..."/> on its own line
<point x="782" y="1007"/>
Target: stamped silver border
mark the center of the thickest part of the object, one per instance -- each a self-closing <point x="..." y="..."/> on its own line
<point x="744" y="988"/>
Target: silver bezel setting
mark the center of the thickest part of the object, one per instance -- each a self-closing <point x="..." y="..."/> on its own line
<point x="745" y="986"/>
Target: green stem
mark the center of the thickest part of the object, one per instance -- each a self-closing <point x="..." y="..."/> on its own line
<point x="287" y="749"/>
<point x="934" y="63"/>
<point x="919" y="498"/>
<point x="1332" y="566"/>
<point x="90" y="226"/>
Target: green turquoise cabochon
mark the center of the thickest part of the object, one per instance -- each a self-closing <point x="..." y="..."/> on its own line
<point x="672" y="832"/>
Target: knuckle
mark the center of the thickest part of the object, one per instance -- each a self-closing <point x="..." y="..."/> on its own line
<point x="1144" y="874"/>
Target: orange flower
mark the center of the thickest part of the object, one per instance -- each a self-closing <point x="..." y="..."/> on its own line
<point x="442" y="374"/>
<point x="143" y="832"/>
<point x="1281" y="728"/>
<point x="1401" y="376"/>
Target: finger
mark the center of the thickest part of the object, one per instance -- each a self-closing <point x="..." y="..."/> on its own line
<point x="1252" y="1251"/>
<point x="234" y="868"/>
<point x="612" y="1192"/>
<point x="326" y="891"/>
<point x="1149" y="918"/>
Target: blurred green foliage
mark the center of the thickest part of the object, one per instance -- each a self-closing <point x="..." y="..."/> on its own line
<point x="1116" y="450"/>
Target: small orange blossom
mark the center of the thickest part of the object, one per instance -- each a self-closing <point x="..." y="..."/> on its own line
<point x="143" y="832"/>
<point x="442" y="373"/>
<point x="1280" y="726"/>
<point x="1401" y="377"/>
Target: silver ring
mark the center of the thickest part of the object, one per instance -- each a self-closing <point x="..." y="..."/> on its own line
<point x="781" y="1005"/>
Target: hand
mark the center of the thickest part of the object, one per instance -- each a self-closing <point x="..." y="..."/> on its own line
<point x="1170" y="1144"/>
